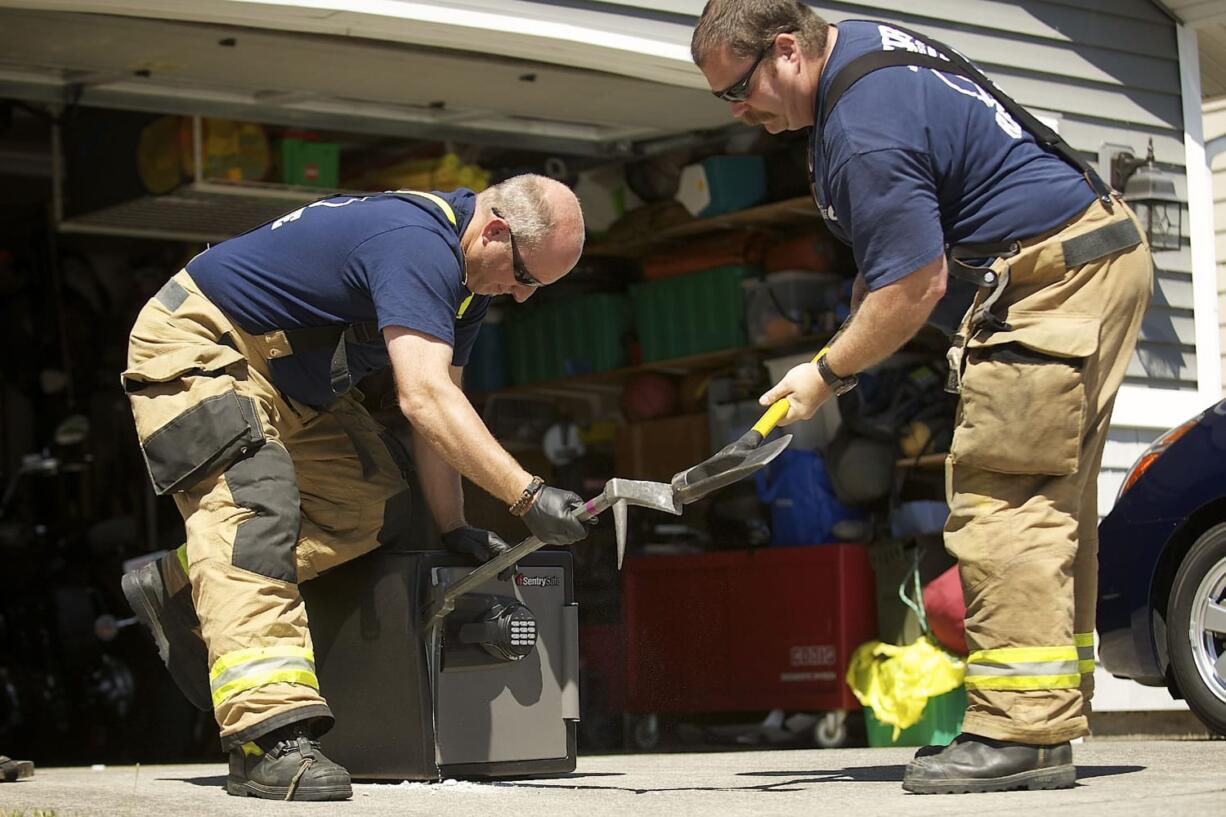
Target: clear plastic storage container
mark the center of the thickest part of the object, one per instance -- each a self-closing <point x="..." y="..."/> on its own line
<point x="788" y="304"/>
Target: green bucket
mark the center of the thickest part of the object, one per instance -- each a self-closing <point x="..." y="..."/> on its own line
<point x="939" y="725"/>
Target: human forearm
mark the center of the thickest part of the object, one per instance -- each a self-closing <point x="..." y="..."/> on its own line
<point x="440" y="485"/>
<point x="879" y="328"/>
<point x="445" y="421"/>
<point x="429" y="396"/>
<point x="886" y="319"/>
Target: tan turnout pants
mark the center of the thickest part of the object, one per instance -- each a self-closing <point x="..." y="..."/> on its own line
<point x="1022" y="478"/>
<point x="272" y="493"/>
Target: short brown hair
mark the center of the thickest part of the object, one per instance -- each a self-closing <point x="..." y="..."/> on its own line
<point x="747" y="27"/>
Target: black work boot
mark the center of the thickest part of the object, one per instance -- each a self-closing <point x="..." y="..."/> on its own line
<point x="11" y="770"/>
<point x="161" y="597"/>
<point x="286" y="764"/>
<point x="975" y="764"/>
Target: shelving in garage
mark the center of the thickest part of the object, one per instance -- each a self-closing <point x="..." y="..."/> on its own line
<point x="201" y="209"/>
<point x="206" y="212"/>
<point x="774" y="216"/>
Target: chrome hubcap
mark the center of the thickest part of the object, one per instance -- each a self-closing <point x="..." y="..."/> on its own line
<point x="1207" y="630"/>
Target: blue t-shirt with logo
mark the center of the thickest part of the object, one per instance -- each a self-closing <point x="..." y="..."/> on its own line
<point x="390" y="258"/>
<point x="913" y="160"/>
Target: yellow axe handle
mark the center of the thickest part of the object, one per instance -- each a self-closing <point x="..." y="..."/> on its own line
<point x="779" y="408"/>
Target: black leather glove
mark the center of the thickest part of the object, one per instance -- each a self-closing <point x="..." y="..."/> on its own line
<point x="551" y="518"/>
<point x="478" y="544"/>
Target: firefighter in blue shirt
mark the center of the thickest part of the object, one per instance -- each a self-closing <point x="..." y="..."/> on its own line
<point x="239" y="375"/>
<point x="927" y="171"/>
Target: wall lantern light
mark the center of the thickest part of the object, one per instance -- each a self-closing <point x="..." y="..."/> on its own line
<point x="1150" y="192"/>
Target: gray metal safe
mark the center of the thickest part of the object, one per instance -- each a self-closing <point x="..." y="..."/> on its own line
<point x="493" y="692"/>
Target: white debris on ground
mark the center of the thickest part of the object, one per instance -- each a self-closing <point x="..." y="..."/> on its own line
<point x="449" y="785"/>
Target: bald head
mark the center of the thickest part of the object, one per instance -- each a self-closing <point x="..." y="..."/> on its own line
<point x="527" y="232"/>
<point x="540" y="210"/>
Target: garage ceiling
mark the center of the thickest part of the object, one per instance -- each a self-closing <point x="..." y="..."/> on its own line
<point x="346" y="83"/>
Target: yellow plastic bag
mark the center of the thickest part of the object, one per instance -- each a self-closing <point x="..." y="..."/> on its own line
<point x="896" y="682"/>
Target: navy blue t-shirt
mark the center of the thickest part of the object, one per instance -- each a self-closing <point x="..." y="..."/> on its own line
<point x="913" y="160"/>
<point x="393" y="259"/>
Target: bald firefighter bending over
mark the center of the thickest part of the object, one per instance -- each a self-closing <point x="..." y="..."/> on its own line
<point x="240" y="374"/>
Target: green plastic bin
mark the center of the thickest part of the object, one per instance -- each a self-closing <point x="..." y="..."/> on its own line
<point x="309" y="163"/>
<point x="939" y="725"/>
<point x="531" y="356"/>
<point x="566" y="338"/>
<point x="691" y="314"/>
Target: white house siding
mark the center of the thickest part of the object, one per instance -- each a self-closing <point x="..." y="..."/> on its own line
<point x="1215" y="141"/>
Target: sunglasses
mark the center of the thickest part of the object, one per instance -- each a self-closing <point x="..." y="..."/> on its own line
<point x="517" y="261"/>
<point x="739" y="90"/>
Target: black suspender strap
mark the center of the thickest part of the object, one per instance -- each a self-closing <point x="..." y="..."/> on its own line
<point x="949" y="61"/>
<point x="334" y="337"/>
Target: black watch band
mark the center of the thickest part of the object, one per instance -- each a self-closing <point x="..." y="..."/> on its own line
<point x="838" y="385"/>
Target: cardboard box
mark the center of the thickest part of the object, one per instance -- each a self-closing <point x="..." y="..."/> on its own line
<point x="657" y="449"/>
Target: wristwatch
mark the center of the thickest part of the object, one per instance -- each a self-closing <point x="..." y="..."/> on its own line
<point x="839" y="385"/>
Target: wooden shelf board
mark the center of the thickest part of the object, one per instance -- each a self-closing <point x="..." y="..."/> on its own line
<point x="775" y="214"/>
<point x="610" y="381"/>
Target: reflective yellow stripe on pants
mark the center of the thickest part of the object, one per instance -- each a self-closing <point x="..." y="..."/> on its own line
<point x="1023" y="668"/>
<point x="1085" y="652"/>
<point x="238" y="671"/>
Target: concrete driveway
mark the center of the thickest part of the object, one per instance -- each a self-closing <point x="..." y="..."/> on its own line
<point x="1115" y="777"/>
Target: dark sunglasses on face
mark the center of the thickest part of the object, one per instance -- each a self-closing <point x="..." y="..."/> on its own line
<point x="739" y="90"/>
<point x="517" y="262"/>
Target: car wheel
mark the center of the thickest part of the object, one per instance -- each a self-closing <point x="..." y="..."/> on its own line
<point x="1196" y="628"/>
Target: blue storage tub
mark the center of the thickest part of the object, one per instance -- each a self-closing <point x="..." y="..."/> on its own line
<point x="804" y="509"/>
<point x="721" y="184"/>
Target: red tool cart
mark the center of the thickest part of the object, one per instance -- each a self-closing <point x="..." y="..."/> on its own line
<point x="747" y="630"/>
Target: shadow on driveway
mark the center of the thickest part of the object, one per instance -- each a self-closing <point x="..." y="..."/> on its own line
<point x="787" y="781"/>
<point x="795" y="780"/>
